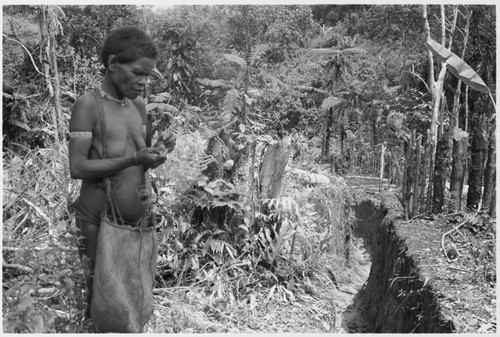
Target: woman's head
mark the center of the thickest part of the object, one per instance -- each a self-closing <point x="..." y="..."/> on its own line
<point x="128" y="44"/>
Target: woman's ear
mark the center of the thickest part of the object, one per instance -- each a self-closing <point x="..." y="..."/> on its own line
<point x="112" y="59"/>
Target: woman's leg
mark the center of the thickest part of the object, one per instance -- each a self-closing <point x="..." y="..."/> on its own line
<point x="88" y="248"/>
<point x="88" y="245"/>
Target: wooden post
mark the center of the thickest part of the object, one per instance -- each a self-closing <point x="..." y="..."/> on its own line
<point x="416" y="181"/>
<point x="382" y="164"/>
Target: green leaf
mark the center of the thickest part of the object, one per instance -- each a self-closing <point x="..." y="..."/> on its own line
<point x="457" y="66"/>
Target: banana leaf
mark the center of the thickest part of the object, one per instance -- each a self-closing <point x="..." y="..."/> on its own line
<point x="457" y="66"/>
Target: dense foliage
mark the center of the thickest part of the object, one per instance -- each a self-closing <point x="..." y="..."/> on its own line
<point x="232" y="82"/>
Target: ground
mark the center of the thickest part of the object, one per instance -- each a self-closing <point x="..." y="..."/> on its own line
<point x="464" y="285"/>
<point x="325" y="302"/>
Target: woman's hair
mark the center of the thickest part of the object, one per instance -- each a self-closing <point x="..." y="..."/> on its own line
<point x="128" y="44"/>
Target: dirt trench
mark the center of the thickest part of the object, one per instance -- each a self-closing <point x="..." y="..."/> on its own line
<point x="394" y="298"/>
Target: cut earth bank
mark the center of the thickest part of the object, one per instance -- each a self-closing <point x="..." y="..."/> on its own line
<point x="412" y="285"/>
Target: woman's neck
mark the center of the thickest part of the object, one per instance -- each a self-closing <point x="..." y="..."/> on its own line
<point x="108" y="91"/>
<point x="108" y="87"/>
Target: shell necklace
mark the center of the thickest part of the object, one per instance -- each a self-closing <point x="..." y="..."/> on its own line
<point x="104" y="94"/>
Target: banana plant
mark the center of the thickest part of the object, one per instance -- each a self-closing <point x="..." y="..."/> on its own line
<point x="458" y="67"/>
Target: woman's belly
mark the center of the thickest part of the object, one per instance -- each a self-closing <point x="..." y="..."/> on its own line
<point x="126" y="188"/>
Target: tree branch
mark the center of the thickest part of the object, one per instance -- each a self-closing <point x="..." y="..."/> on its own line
<point x="417" y="75"/>
<point x="27" y="51"/>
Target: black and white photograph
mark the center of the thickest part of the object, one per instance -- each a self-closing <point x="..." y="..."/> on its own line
<point x="259" y="168"/>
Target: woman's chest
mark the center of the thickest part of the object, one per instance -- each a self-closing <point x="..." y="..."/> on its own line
<point x="120" y="132"/>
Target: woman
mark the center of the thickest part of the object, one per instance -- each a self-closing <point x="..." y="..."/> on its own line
<point x="107" y="138"/>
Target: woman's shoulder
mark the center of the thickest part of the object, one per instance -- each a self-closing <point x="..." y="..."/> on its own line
<point x="86" y="99"/>
<point x="84" y="107"/>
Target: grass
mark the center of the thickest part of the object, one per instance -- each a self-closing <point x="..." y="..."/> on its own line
<point x="44" y="281"/>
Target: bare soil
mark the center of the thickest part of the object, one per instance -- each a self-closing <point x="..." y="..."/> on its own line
<point x="454" y="255"/>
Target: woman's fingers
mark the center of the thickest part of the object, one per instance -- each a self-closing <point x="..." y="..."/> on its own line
<point x="168" y="139"/>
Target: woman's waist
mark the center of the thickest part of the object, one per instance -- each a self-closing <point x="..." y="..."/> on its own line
<point x="130" y="198"/>
<point x="122" y="181"/>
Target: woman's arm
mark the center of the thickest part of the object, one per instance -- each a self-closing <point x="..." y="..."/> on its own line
<point x="84" y="119"/>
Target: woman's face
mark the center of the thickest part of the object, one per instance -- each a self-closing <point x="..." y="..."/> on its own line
<point x="130" y="78"/>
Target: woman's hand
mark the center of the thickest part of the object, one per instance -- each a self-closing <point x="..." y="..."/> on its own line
<point x="166" y="141"/>
<point x="150" y="157"/>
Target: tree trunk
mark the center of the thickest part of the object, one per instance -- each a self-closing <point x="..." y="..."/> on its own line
<point x="397" y="168"/>
<point x="416" y="180"/>
<point x="458" y="173"/>
<point x="493" y="211"/>
<point x="382" y="162"/>
<point x="342" y="152"/>
<point x="325" y="153"/>
<point x="436" y="88"/>
<point x="45" y="56"/>
<point x="374" y="129"/>
<point x="408" y="177"/>
<point x="476" y="168"/>
<point x="427" y="177"/>
<point x="425" y="174"/>
<point x="442" y="163"/>
<point x="57" y="85"/>
<point x="459" y="137"/>
<point x="273" y="168"/>
<point x="490" y="173"/>
<point x="215" y="149"/>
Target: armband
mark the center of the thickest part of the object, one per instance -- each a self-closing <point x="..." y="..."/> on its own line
<point x="82" y="134"/>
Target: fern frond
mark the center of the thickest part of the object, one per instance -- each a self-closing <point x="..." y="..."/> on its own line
<point x="308" y="88"/>
<point x="241" y="78"/>
<point x="258" y="51"/>
<point x="20" y="124"/>
<point x="161" y="97"/>
<point x="282" y="204"/>
<point x="162" y="107"/>
<point x="226" y="203"/>
<point x="352" y="51"/>
<point x="277" y="83"/>
<point x="214" y="83"/>
<point x="330" y="51"/>
<point x="231" y="101"/>
<point x="324" y="51"/>
<point x="205" y="160"/>
<point x="236" y="59"/>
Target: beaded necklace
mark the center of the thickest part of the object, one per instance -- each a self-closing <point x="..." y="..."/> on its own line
<point x="104" y="94"/>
